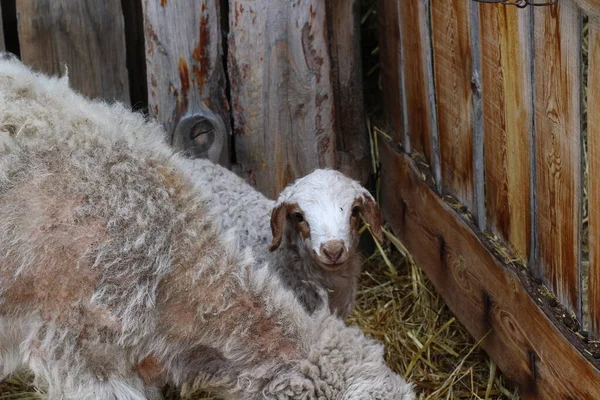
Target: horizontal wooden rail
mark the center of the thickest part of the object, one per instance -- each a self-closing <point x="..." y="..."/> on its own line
<point x="488" y="297"/>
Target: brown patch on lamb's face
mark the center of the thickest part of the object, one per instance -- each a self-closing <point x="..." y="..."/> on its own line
<point x="292" y="213"/>
<point x="297" y="219"/>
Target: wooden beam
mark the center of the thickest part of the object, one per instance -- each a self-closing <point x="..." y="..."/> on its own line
<point x="488" y="297"/>
<point x="86" y="36"/>
<point x="2" y="45"/>
<point x="388" y="24"/>
<point x="421" y="118"/>
<point x="353" y="154"/>
<point x="558" y="145"/>
<point x="593" y="137"/>
<point x="186" y="75"/>
<point x="507" y="110"/>
<point x="289" y="65"/>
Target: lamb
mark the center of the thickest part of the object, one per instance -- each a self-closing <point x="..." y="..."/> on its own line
<point x="115" y="277"/>
<point x="312" y="227"/>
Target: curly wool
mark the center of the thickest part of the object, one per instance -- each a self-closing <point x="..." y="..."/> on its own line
<point x="115" y="278"/>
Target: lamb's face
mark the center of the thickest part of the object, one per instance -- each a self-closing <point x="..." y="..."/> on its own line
<point x="321" y="213"/>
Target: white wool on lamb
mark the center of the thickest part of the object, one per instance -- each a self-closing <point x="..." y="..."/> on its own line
<point x="115" y="278"/>
<point x="312" y="229"/>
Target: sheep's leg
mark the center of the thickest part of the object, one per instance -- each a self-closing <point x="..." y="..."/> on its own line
<point x="12" y="335"/>
<point x="69" y="367"/>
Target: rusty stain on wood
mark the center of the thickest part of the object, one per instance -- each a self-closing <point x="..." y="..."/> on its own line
<point x="507" y="123"/>
<point x="292" y="90"/>
<point x="593" y="137"/>
<point x="558" y="145"/>
<point x="451" y="25"/>
<point x="86" y="36"/>
<point x="186" y="79"/>
<point x="465" y="271"/>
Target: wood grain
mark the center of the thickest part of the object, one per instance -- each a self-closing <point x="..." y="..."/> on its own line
<point x="2" y="45"/>
<point x="590" y="7"/>
<point x="186" y="78"/>
<point x="486" y="296"/>
<point x="558" y="149"/>
<point x="507" y="111"/>
<point x="421" y="120"/>
<point x="351" y="139"/>
<point x="593" y="137"/>
<point x="388" y="23"/>
<point x="451" y="24"/>
<point x="86" y="36"/>
<point x="285" y="85"/>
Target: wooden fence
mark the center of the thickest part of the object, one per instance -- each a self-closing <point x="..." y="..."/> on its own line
<point x="492" y="180"/>
<point x="277" y="96"/>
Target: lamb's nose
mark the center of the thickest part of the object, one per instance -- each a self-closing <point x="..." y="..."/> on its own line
<point x="333" y="250"/>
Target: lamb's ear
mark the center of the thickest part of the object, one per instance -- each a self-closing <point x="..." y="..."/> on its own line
<point x="278" y="216"/>
<point x="372" y="215"/>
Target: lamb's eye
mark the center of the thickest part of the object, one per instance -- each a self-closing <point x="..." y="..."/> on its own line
<point x="299" y="217"/>
<point x="355" y="211"/>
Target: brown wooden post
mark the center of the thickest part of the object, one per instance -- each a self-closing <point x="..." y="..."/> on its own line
<point x="2" y="45"/>
<point x="186" y="78"/>
<point x="86" y="37"/>
<point x="293" y="71"/>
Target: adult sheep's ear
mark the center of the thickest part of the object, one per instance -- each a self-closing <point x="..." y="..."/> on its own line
<point x="372" y="216"/>
<point x="278" y="216"/>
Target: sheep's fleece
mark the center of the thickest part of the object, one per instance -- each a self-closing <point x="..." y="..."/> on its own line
<point x="114" y="279"/>
<point x="326" y="197"/>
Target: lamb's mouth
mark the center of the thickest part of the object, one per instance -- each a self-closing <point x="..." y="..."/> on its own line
<point x="332" y="267"/>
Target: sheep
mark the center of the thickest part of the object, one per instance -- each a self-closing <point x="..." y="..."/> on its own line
<point x="312" y="229"/>
<point x="115" y="277"/>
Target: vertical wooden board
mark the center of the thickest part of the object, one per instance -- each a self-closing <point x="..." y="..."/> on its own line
<point x="186" y="75"/>
<point x="281" y="90"/>
<point x="351" y="139"/>
<point x="416" y="57"/>
<point x="593" y="138"/>
<point x="2" y="45"/>
<point x="507" y="119"/>
<point x="558" y="148"/>
<point x="451" y="24"/>
<point x="86" y="36"/>
<point x="388" y="24"/>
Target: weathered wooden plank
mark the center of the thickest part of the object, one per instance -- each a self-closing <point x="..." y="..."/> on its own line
<point x="421" y="120"/>
<point x="507" y="110"/>
<point x="351" y="139"/>
<point x="487" y="296"/>
<point x="593" y="137"/>
<point x="388" y="23"/>
<point x="2" y="45"/>
<point x="283" y="88"/>
<point x="590" y="7"/>
<point x="186" y="78"/>
<point x="86" y="36"/>
<point x="558" y="148"/>
<point x="453" y="55"/>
